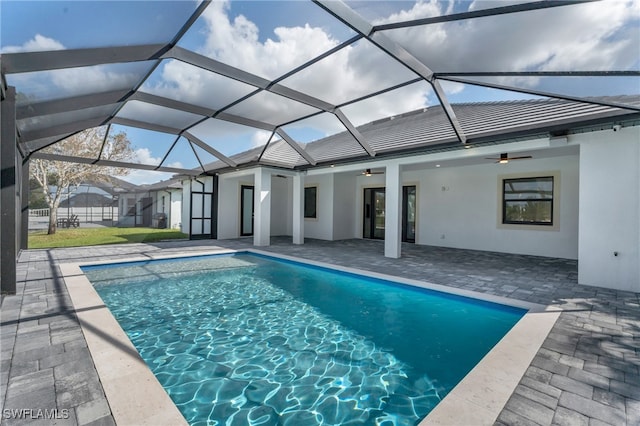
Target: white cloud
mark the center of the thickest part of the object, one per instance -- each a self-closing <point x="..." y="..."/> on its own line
<point x="577" y="37"/>
<point x="143" y="177"/>
<point x="144" y="156"/>
<point x="38" y="43"/>
<point x="259" y="138"/>
<point x="352" y="72"/>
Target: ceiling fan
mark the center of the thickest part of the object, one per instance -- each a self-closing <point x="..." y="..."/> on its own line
<point x="368" y="172"/>
<point x="504" y="158"/>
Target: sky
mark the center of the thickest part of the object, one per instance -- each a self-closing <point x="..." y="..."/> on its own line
<point x="271" y="38"/>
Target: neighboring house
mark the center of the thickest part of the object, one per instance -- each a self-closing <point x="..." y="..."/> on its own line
<point x="574" y="195"/>
<point x="89" y="199"/>
<point x="157" y="205"/>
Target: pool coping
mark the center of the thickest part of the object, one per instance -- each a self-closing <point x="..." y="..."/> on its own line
<point x="136" y="396"/>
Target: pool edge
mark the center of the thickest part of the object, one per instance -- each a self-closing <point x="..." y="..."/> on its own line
<point x="483" y="392"/>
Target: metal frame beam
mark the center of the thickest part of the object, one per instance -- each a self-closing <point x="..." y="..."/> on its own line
<point x="293" y="144"/>
<point x="502" y="10"/>
<point x="232" y="118"/>
<point x="61" y="129"/>
<point x="346" y="15"/>
<point x="197" y="141"/>
<point x="71" y="104"/>
<point x="145" y="125"/>
<point x="109" y="163"/>
<point x="542" y="93"/>
<point x="172" y="103"/>
<point x="217" y="67"/>
<point x="8" y="216"/>
<point x="13" y="63"/>
<point x="355" y="132"/>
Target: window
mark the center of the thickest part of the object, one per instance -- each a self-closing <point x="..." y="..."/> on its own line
<point x="131" y="206"/>
<point x="528" y="201"/>
<point x="311" y="202"/>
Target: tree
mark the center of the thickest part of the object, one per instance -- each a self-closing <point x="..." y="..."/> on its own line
<point x="36" y="195"/>
<point x="57" y="178"/>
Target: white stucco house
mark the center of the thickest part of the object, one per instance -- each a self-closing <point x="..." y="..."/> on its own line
<point x="563" y="184"/>
<point x="157" y="205"/>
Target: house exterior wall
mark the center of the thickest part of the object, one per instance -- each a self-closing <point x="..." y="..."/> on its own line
<point x="185" y="227"/>
<point x="322" y="227"/>
<point x="229" y="205"/>
<point x="344" y="204"/>
<point x="460" y="207"/>
<point x="281" y="206"/>
<point x="610" y="209"/>
<point x="124" y="218"/>
<point x="174" y="220"/>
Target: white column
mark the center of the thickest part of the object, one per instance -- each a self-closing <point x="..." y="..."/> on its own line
<point x="298" y="209"/>
<point x="262" y="206"/>
<point x="393" y="211"/>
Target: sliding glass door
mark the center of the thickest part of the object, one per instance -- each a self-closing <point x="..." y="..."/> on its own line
<point x="374" y="204"/>
<point x="374" y="213"/>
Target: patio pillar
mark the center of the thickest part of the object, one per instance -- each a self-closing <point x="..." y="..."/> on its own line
<point x="392" y="215"/>
<point x="298" y="209"/>
<point x="8" y="204"/>
<point x="262" y="212"/>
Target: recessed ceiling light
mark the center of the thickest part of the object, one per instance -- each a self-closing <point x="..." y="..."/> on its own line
<point x="437" y="165"/>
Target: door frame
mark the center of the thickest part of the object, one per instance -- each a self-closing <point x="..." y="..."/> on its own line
<point x="212" y="216"/>
<point x="373" y="189"/>
<point x="402" y="213"/>
<point x="253" y="208"/>
<point x="405" y="206"/>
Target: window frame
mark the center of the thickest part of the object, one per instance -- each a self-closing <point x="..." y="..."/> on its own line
<point x="501" y="222"/>
<point x="131" y="208"/>
<point x="505" y="201"/>
<point x="304" y="207"/>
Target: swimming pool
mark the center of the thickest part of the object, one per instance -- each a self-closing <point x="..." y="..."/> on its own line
<point x="248" y="339"/>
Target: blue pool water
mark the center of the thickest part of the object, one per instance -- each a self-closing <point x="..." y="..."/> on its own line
<point x="246" y="339"/>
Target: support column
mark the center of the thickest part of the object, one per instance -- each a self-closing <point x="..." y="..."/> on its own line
<point x="24" y="208"/>
<point x="262" y="206"/>
<point x="392" y="212"/>
<point x="298" y="209"/>
<point x="8" y="192"/>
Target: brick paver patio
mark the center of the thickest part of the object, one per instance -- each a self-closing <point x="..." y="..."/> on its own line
<point x="586" y="373"/>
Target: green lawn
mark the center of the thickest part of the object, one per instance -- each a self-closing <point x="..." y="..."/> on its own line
<point x="97" y="236"/>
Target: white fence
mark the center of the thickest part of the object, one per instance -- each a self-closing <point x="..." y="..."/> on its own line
<point x="38" y="212"/>
<point x="85" y="215"/>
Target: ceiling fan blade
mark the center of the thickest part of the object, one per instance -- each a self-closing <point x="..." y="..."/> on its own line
<point x="524" y="157"/>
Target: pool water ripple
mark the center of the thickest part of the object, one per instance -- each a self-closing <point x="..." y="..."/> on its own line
<point x="230" y="347"/>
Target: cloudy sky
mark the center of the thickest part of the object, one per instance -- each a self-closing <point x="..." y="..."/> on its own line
<point x="271" y="38"/>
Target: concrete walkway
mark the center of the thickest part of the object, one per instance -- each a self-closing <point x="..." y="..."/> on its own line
<point x="586" y="373"/>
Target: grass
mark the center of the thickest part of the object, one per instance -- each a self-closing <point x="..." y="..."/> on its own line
<point x="76" y="237"/>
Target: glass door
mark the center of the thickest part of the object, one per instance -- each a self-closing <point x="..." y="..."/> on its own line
<point x="246" y="210"/>
<point x="409" y="214"/>
<point x="203" y="210"/>
<point x="374" y="205"/>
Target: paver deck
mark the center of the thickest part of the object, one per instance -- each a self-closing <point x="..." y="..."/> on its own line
<point x="586" y="373"/>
